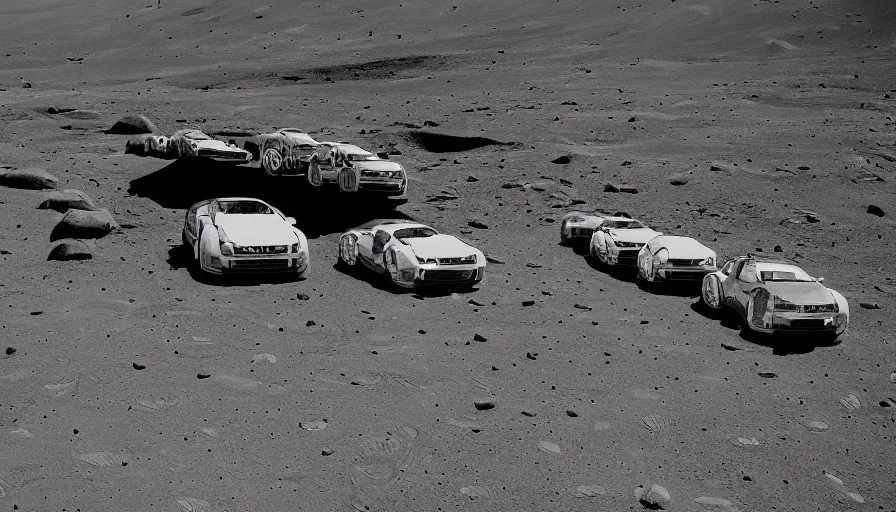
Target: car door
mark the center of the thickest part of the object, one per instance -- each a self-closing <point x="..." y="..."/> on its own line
<point x="380" y="240"/>
<point x="191" y="224"/>
<point x="745" y="282"/>
<point x="365" y="245"/>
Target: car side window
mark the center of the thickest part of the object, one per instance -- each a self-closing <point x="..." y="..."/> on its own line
<point x="726" y="268"/>
<point x="379" y="241"/>
<point x="191" y="221"/>
<point x="747" y="273"/>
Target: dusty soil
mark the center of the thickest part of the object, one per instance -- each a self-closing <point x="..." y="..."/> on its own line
<point x="334" y="393"/>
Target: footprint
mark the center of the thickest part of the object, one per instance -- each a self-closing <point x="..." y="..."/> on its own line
<point x="22" y="432"/>
<point x="195" y="505"/>
<point x="160" y="403"/>
<point x="476" y="491"/>
<point x="264" y="357"/>
<point x="656" y="423"/>
<point x="471" y="425"/>
<point x="548" y="447"/>
<point x="600" y="426"/>
<point x="851" y="402"/>
<point x="314" y="425"/>
<point x="716" y="504"/>
<point x="101" y="459"/>
<point x="589" y="491"/>
<point x="67" y="384"/>
<point x="818" y="426"/>
<point x="384" y="459"/>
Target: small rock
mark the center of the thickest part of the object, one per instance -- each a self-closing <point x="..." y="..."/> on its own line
<point x="84" y="224"/>
<point x="484" y="405"/>
<point x="529" y="414"/>
<point x="767" y="375"/>
<point x="52" y="110"/>
<point x="512" y="185"/>
<point x="778" y="249"/>
<point x="732" y="347"/>
<point x="875" y="210"/>
<point x="571" y="413"/>
<point x="472" y="179"/>
<point x="302" y="296"/>
<point x="10" y="351"/>
<point x="869" y="305"/>
<point x="33" y="178"/>
<point x="632" y="119"/>
<point x="527" y="303"/>
<point x="430" y="123"/>
<point x="327" y="451"/>
<point x="533" y="265"/>
<point x="477" y="224"/>
<point x="133" y="125"/>
<point x="562" y="160"/>
<point x="615" y="188"/>
<point x="138" y="366"/>
<point x="310" y="323"/>
<point x="679" y="179"/>
<point x="531" y="356"/>
<point x="70" y="249"/>
<point x="654" y="498"/>
<point x="202" y="375"/>
<point x="582" y="306"/>
<point x="473" y="302"/>
<point x="480" y="338"/>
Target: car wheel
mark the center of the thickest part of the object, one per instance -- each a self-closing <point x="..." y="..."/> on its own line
<point x="603" y="258"/>
<point x="348" y="251"/>
<point x="272" y="162"/>
<point x="710" y="292"/>
<point x="313" y="174"/>
<point x="391" y="266"/>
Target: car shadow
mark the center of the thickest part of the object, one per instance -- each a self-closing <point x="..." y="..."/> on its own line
<point x="782" y="344"/>
<point x="179" y="258"/>
<point x="629" y="274"/>
<point x="318" y="211"/>
<point x="380" y="282"/>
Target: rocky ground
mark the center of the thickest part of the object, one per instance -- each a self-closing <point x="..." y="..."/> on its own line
<point x="132" y="384"/>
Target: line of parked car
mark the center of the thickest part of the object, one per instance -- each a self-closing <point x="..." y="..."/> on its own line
<point x="766" y="293"/>
<point x="290" y="152"/>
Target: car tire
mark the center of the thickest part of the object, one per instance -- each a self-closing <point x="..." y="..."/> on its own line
<point x="348" y="252"/>
<point x="314" y="178"/>
<point x="603" y="259"/>
<point x="389" y="278"/>
<point x="711" y="293"/>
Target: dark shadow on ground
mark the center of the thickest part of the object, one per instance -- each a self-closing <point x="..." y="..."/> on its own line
<point x="629" y="274"/>
<point x="782" y="344"/>
<point x="317" y="211"/>
<point x="180" y="257"/>
<point x="380" y="282"/>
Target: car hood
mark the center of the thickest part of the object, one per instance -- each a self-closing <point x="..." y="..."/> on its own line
<point x="215" y="144"/>
<point x="439" y="246"/>
<point x="256" y="229"/>
<point x="801" y="292"/>
<point x="687" y="250"/>
<point x="637" y="236"/>
<point x="376" y="165"/>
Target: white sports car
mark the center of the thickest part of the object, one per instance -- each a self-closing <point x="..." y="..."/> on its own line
<point x="675" y="258"/>
<point x="238" y="234"/>
<point x="578" y="226"/>
<point x="286" y="152"/>
<point x="193" y="143"/>
<point x="354" y="169"/>
<point x="774" y="294"/>
<point x="412" y="255"/>
<point x="617" y="241"/>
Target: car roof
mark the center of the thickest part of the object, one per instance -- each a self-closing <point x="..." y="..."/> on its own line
<point x="762" y="258"/>
<point x="291" y="130"/>
<point x="378" y="222"/>
<point x="349" y="148"/>
<point x="621" y="219"/>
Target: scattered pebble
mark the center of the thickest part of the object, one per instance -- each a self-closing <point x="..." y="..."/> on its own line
<point x="484" y="405"/>
<point x="869" y="305"/>
<point x="527" y="303"/>
<point x="478" y="224"/>
<point x="480" y="338"/>
<point x="138" y="366"/>
<point x="562" y="160"/>
<point x="10" y="351"/>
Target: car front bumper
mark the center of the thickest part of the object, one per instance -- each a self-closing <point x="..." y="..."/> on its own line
<point x="624" y="257"/>
<point x="264" y="263"/>
<point x="691" y="273"/>
<point x="386" y="189"/>
<point x="786" y="321"/>
<point x="446" y="276"/>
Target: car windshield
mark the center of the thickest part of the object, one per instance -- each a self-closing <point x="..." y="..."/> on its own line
<point x="780" y="273"/>
<point x="623" y="224"/>
<point x="244" y="207"/>
<point x="358" y="157"/>
<point x="197" y="135"/>
<point x="418" y="232"/>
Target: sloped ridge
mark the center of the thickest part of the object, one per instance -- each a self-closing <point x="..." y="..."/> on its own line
<point x="443" y="143"/>
<point x="400" y="67"/>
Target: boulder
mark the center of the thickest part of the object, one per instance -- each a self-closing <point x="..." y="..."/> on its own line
<point x="84" y="224"/>
<point x="68" y="249"/>
<point x="876" y="210"/>
<point x="133" y="125"/>
<point x="562" y="160"/>
<point x="65" y="200"/>
<point x="679" y="179"/>
<point x="33" y="178"/>
<point x="655" y="498"/>
<point x="616" y="188"/>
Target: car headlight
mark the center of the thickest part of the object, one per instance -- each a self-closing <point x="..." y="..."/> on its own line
<point x="627" y="244"/>
<point x="783" y="305"/>
<point x="427" y="260"/>
<point x="708" y="261"/>
<point x="294" y="248"/>
<point x="469" y="259"/>
<point x="227" y="248"/>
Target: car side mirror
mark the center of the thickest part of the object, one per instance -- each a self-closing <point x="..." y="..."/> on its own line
<point x="291" y="221"/>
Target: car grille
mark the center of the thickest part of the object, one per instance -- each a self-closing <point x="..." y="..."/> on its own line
<point x="695" y="275"/>
<point x="217" y="153"/>
<point x="581" y="232"/>
<point x="261" y="249"/>
<point x="455" y="261"/>
<point x="629" y="257"/>
<point x="684" y="263"/>
<point x="379" y="186"/>
<point x="448" y="275"/>
<point x="807" y="323"/>
<point x="259" y="264"/>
